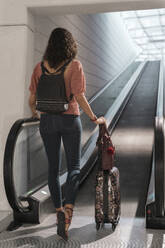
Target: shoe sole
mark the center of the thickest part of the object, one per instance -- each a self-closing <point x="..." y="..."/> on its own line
<point x="61" y="225"/>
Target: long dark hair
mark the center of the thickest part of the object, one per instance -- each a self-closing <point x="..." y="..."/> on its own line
<point x="61" y="47"/>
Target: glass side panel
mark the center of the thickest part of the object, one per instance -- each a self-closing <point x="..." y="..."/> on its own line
<point x="30" y="163"/>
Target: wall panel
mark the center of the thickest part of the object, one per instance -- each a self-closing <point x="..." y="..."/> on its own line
<point x="104" y="47"/>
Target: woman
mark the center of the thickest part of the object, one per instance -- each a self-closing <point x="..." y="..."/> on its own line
<point x="62" y="48"/>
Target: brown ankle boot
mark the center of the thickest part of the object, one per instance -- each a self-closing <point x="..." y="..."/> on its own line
<point x="69" y="211"/>
<point x="61" y="225"/>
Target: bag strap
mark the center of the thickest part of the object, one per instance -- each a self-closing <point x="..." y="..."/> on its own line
<point x="102" y="129"/>
<point x="43" y="68"/>
<point x="105" y="129"/>
<point x="62" y="68"/>
<point x="100" y="133"/>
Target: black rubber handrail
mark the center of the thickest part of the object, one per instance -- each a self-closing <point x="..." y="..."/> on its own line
<point x="8" y="163"/>
<point x="159" y="148"/>
<point x="159" y="166"/>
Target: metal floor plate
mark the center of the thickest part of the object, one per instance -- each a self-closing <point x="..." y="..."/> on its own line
<point x="130" y="233"/>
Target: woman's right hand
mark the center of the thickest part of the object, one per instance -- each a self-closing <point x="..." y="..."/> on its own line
<point x="100" y="120"/>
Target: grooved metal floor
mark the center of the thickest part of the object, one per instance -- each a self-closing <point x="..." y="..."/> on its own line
<point x="133" y="139"/>
<point x="130" y="234"/>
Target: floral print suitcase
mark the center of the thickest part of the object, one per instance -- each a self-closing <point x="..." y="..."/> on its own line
<point x="107" y="197"/>
<point x="107" y="187"/>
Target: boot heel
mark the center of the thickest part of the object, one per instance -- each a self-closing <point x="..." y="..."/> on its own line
<point x="61" y="225"/>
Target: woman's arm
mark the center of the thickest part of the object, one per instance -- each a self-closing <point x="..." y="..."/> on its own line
<point x="32" y="105"/>
<point x="82" y="101"/>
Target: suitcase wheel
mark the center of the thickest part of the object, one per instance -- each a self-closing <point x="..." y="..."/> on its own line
<point x="113" y="227"/>
<point x="97" y="226"/>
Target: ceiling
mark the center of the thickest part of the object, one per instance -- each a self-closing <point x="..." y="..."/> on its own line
<point x="147" y="29"/>
<point x="63" y="7"/>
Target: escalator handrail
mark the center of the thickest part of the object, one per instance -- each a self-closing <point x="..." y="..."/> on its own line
<point x="112" y="81"/>
<point x="160" y="100"/>
<point x="8" y="161"/>
<point x="159" y="148"/>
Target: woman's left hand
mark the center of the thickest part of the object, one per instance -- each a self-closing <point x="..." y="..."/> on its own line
<point x="35" y="115"/>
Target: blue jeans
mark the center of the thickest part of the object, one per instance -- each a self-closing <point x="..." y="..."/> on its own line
<point x="52" y="129"/>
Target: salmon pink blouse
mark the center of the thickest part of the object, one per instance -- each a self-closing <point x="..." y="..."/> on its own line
<point x="75" y="83"/>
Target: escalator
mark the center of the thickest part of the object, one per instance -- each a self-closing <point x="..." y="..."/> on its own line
<point x="155" y="204"/>
<point x="129" y="109"/>
<point x="133" y="137"/>
<point x="139" y="140"/>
